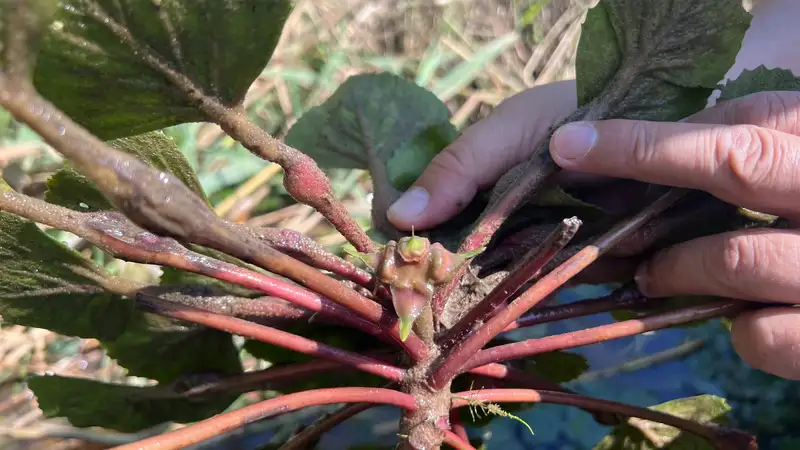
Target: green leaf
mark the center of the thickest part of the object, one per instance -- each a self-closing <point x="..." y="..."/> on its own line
<point x="125" y="67"/>
<point x="89" y="403"/>
<point x="759" y="79"/>
<point x="656" y="60"/>
<point x="557" y="366"/>
<point x="163" y="353"/>
<point x="702" y="408"/>
<point x="44" y="284"/>
<point x="412" y="157"/>
<point x="368" y="120"/>
<point x="72" y="190"/>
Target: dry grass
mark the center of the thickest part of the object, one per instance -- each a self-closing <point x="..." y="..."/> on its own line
<point x="442" y="43"/>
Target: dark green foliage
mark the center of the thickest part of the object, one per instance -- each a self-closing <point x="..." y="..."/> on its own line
<point x="656" y="60"/>
<point x="44" y="284"/>
<point x="124" y="408"/>
<point x="759" y="79"/>
<point x="113" y="65"/>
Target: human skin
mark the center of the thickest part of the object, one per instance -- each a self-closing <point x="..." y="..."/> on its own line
<point x="745" y="151"/>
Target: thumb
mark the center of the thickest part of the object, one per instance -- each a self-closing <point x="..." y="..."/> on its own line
<point x="481" y="155"/>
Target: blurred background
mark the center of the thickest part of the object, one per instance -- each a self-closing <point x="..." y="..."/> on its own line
<point x="472" y="54"/>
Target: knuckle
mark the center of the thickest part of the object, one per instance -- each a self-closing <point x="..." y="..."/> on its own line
<point x="771" y="109"/>
<point x="644" y="145"/>
<point x="744" y="257"/>
<point x="750" y="155"/>
<point x="457" y="161"/>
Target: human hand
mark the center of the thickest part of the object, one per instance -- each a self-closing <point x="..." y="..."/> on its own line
<point x="481" y="154"/>
<point x="745" y="152"/>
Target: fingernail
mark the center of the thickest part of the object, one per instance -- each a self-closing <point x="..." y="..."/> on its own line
<point x="574" y="140"/>
<point x="409" y="206"/>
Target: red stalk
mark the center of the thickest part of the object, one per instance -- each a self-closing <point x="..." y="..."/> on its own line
<point x="710" y="432"/>
<point x="544" y="287"/>
<point x="457" y="427"/>
<point x="457" y="442"/>
<point x="605" y="332"/>
<point x="620" y="299"/>
<point x="226" y="422"/>
<point x="271" y="336"/>
<point x="301" y="440"/>
<point x="531" y="267"/>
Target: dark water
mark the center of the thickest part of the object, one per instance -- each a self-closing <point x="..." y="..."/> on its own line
<point x="761" y="403"/>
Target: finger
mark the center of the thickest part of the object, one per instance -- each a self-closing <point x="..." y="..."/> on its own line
<point x="754" y="264"/>
<point x="481" y="155"/>
<point x="769" y="340"/>
<point x="747" y="165"/>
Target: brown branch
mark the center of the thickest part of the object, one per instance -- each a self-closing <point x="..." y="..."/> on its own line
<point x="303" y="179"/>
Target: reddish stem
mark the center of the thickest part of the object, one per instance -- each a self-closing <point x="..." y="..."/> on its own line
<point x="120" y="237"/>
<point x="620" y="299"/>
<point x="457" y="427"/>
<point x="604" y="333"/>
<point x="715" y="434"/>
<point x="544" y="287"/>
<point x="137" y="189"/>
<point x="302" y="247"/>
<point x="457" y="442"/>
<point x="530" y="268"/>
<point x="271" y="336"/>
<point x="226" y="422"/>
<point x="303" y="439"/>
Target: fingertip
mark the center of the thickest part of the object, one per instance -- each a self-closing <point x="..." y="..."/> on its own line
<point x="768" y="340"/>
<point x="571" y="143"/>
<point x="407" y="210"/>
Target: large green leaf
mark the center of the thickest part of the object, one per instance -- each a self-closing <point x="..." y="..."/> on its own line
<point x="72" y="190"/>
<point x="760" y="79"/>
<point x="154" y="349"/>
<point x="379" y="122"/>
<point x="88" y="403"/>
<point x="701" y="408"/>
<point x="639" y="59"/>
<point x="125" y="67"/>
<point x="44" y="284"/>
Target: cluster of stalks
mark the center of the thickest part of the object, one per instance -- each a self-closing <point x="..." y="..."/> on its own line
<point x="161" y="221"/>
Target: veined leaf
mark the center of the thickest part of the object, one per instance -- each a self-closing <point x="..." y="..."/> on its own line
<point x="125" y="67"/>
<point x="646" y="60"/>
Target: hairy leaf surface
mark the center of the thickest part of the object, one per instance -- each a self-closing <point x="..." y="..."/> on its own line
<point x="115" y="65"/>
<point x="760" y="79"/>
<point x="44" y="284"/>
<point x="656" y="60"/>
<point x="163" y="353"/>
<point x="88" y="403"/>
